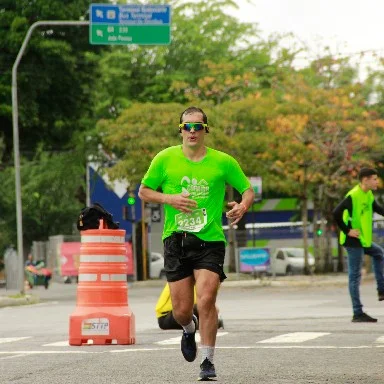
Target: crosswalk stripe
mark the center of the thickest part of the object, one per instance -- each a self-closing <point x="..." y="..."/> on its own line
<point x="176" y="340"/>
<point x="11" y="339"/>
<point x="160" y="349"/>
<point x="58" y="344"/>
<point x="294" y="337"/>
<point x="288" y="338"/>
<point x="380" y="339"/>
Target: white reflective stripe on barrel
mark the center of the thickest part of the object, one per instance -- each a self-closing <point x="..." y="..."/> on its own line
<point x="88" y="277"/>
<point x="102" y="259"/>
<point x="113" y="277"/>
<point x="102" y="239"/>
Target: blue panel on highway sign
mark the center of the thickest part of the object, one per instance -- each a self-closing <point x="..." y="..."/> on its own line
<point x="104" y="13"/>
<point x="134" y="14"/>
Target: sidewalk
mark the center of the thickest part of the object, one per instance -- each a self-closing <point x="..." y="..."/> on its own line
<point x="12" y="297"/>
<point x="234" y="280"/>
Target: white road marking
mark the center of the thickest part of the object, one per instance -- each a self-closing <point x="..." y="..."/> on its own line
<point x="46" y="352"/>
<point x="176" y="340"/>
<point x="58" y="344"/>
<point x="11" y="357"/>
<point x="11" y="339"/>
<point x="295" y="337"/>
<point x="24" y="353"/>
<point x="45" y="303"/>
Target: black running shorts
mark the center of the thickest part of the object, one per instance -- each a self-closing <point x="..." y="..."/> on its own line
<point x="184" y="252"/>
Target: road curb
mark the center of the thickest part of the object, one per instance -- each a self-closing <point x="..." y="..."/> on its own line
<point x="8" y="301"/>
<point x="244" y="282"/>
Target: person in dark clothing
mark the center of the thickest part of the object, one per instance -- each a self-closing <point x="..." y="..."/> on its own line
<point x="354" y="215"/>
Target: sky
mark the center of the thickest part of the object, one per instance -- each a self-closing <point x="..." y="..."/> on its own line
<point x="347" y="26"/>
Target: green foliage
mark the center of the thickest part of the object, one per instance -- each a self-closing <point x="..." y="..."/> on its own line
<point x="163" y="74"/>
<point x="140" y="132"/>
<point x="315" y="124"/>
<point x="54" y="75"/>
<point x="52" y="188"/>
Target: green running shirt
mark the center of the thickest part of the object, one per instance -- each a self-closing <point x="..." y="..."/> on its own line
<point x="362" y="215"/>
<point x="204" y="180"/>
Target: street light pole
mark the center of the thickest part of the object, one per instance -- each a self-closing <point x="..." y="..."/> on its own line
<point x="16" y="152"/>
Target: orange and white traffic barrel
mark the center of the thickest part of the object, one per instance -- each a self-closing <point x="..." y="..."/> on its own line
<point x="102" y="313"/>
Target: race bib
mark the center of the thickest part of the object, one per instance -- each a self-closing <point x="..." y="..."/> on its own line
<point x="193" y="221"/>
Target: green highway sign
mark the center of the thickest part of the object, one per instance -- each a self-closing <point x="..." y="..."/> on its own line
<point x="130" y="24"/>
<point x="135" y="34"/>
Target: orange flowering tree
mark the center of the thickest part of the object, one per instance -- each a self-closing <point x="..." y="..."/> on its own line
<point x="317" y="142"/>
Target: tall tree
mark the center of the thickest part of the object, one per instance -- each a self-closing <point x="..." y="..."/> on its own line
<point x="320" y="137"/>
<point x="202" y="32"/>
<point x="54" y="77"/>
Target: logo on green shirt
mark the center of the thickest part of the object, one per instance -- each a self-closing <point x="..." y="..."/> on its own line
<point x="194" y="187"/>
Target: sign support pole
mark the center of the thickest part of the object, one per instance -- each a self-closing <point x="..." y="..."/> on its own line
<point x="144" y="240"/>
<point x="16" y="151"/>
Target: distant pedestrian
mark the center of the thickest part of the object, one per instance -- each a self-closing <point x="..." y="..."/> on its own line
<point x="190" y="181"/>
<point x="29" y="260"/>
<point x="354" y="216"/>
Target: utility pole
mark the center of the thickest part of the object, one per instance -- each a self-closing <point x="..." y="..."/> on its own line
<point x="144" y="241"/>
<point x="16" y="151"/>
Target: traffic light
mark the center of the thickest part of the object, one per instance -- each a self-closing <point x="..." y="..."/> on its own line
<point x="319" y="232"/>
<point x="131" y="200"/>
<point x="129" y="212"/>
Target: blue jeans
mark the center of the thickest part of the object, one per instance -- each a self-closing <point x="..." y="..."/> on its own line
<point x="355" y="262"/>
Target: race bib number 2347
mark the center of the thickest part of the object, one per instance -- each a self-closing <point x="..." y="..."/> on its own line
<point x="193" y="221"/>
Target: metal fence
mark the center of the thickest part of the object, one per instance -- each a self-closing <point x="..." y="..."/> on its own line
<point x="257" y="235"/>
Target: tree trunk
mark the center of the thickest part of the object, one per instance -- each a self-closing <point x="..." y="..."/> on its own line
<point x="304" y="215"/>
<point x="316" y="242"/>
<point x="328" y="247"/>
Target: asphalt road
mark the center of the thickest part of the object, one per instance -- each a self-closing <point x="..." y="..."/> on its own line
<point x="273" y="334"/>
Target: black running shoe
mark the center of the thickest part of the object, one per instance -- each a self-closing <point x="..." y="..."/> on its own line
<point x="380" y="296"/>
<point x="207" y="370"/>
<point x="363" y="318"/>
<point x="188" y="343"/>
<point x="220" y="323"/>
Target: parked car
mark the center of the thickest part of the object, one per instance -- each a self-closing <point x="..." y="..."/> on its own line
<point x="288" y="261"/>
<point x="157" y="266"/>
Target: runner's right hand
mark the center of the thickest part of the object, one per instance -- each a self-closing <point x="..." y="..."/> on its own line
<point x="182" y="202"/>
